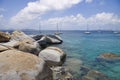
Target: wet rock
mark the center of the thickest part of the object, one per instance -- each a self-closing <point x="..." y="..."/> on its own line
<point x="74" y="64"/>
<point x="50" y="39"/>
<point x="56" y="37"/>
<point x="43" y="44"/>
<point x="95" y="75"/>
<point x="61" y="73"/>
<point x="4" y="37"/>
<point x="53" y="56"/>
<point x="84" y="70"/>
<point x="18" y="65"/>
<point x="19" y="36"/>
<point x="53" y="39"/>
<point x="109" y="57"/>
<point x="37" y="37"/>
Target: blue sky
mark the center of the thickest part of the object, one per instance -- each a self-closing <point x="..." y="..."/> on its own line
<point x="22" y="14"/>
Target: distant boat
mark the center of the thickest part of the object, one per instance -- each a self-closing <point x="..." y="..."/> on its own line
<point x="87" y="31"/>
<point x="115" y="32"/>
<point x="99" y="30"/>
<point x="58" y="31"/>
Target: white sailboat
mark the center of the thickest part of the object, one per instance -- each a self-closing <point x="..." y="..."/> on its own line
<point x="87" y="31"/>
<point x="57" y="32"/>
<point x="115" y="31"/>
<point x="99" y="29"/>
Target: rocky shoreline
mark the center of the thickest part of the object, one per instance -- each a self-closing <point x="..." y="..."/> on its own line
<point x="29" y="58"/>
<point x="34" y="58"/>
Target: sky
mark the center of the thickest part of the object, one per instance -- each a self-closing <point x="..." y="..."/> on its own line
<point x="68" y="14"/>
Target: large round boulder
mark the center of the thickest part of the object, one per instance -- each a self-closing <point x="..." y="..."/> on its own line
<point x="4" y="37"/>
<point x="53" y="56"/>
<point x="18" y="65"/>
<point x="109" y="57"/>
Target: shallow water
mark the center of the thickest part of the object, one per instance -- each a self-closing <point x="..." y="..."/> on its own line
<point x="87" y="47"/>
<point x="84" y="48"/>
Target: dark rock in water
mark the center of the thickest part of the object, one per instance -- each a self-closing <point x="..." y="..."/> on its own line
<point x="56" y="37"/>
<point x="61" y="73"/>
<point x="84" y="70"/>
<point x="95" y="75"/>
<point x="43" y="44"/>
<point x="49" y="39"/>
<point x="108" y="57"/>
<point x="37" y="37"/>
<point x="4" y="37"/>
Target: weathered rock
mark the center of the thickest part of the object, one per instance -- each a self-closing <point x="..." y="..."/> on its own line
<point x="56" y="37"/>
<point x="4" y="37"/>
<point x="110" y="57"/>
<point x="42" y="43"/>
<point x="18" y="65"/>
<point x="28" y="46"/>
<point x="53" y="56"/>
<point x="19" y="36"/>
<point x="3" y="48"/>
<point x="11" y="43"/>
<point x="50" y="39"/>
<point x="61" y="73"/>
<point x="37" y="37"/>
<point x="95" y="75"/>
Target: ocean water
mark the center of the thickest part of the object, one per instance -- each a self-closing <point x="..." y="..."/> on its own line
<point x="84" y="48"/>
<point x="87" y="47"/>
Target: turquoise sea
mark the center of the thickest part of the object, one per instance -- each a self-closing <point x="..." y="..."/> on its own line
<point x="84" y="48"/>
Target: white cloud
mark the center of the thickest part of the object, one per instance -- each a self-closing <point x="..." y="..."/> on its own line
<point x="35" y="9"/>
<point x="80" y="22"/>
<point x="88" y="1"/>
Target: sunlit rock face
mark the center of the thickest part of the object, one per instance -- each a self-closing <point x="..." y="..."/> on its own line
<point x="53" y="56"/>
<point x="19" y="36"/>
<point x="18" y="65"/>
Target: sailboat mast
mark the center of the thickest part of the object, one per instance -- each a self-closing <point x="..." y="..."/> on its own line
<point x="57" y="27"/>
<point x="87" y="27"/>
<point x="40" y="28"/>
